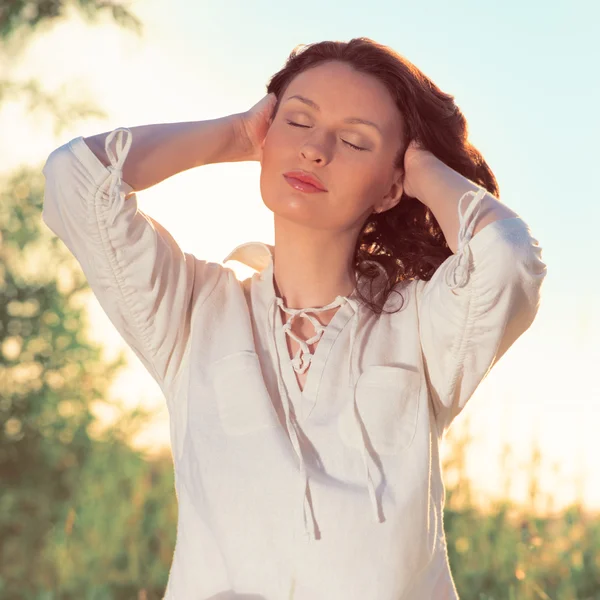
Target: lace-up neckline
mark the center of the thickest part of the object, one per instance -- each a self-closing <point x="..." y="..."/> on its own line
<point x="303" y="357"/>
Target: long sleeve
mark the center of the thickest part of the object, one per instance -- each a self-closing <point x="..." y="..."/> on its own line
<point x="477" y="304"/>
<point x="144" y="282"/>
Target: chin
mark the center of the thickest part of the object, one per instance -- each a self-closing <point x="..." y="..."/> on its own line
<point x="285" y="202"/>
<point x="292" y="209"/>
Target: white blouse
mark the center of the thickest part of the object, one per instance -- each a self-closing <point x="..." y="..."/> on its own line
<point x="330" y="492"/>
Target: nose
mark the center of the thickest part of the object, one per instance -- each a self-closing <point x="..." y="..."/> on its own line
<point x="312" y="153"/>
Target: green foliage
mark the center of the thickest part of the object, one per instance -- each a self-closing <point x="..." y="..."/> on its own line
<point x="63" y="110"/>
<point x="116" y="537"/>
<point x="51" y="375"/>
<point x="513" y="552"/>
<point x="66" y="491"/>
<point x="19" y="21"/>
<point x="27" y="15"/>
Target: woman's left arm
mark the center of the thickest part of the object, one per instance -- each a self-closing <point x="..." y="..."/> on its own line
<point x="440" y="188"/>
<point x="480" y="299"/>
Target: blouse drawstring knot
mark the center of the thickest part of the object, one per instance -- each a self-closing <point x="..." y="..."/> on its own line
<point x="457" y="274"/>
<point x="117" y="159"/>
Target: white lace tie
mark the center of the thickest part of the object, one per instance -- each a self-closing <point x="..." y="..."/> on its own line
<point x="457" y="274"/>
<point x="117" y="159"/>
<point x="303" y="357"/>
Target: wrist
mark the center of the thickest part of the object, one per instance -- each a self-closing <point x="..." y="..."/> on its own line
<point x="420" y="166"/>
<point x="241" y="146"/>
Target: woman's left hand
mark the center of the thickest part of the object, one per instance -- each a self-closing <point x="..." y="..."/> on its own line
<point x="417" y="161"/>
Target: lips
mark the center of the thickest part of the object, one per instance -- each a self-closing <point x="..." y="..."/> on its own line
<point x="302" y="186"/>
<point x="305" y="177"/>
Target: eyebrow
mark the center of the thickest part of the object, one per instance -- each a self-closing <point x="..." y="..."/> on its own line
<point x="352" y="120"/>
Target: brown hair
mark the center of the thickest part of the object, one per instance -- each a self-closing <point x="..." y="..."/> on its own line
<point x="406" y="240"/>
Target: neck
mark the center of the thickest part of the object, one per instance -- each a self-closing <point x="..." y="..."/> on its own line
<point x="312" y="267"/>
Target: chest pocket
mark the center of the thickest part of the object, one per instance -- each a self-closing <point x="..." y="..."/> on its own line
<point x="243" y="402"/>
<point x="388" y="400"/>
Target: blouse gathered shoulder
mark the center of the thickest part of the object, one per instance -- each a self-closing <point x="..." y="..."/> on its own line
<point x="331" y="491"/>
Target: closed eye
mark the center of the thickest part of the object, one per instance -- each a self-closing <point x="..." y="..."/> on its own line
<point x="345" y="142"/>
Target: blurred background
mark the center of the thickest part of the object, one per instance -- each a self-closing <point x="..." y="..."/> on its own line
<point x="87" y="505"/>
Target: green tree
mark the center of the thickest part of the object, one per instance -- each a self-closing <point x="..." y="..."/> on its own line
<point x="54" y="475"/>
<point x="22" y="19"/>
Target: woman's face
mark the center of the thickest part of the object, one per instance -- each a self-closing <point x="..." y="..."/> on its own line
<point x="357" y="181"/>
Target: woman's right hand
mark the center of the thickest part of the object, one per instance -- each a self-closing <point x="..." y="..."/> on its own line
<point x="253" y="126"/>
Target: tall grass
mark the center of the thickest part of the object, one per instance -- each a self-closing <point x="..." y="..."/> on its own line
<point x="510" y="551"/>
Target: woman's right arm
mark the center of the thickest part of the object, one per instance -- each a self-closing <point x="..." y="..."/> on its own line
<point x="163" y="150"/>
<point x="147" y="286"/>
<point x="150" y="289"/>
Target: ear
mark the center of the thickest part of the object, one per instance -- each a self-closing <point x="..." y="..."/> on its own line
<point x="394" y="194"/>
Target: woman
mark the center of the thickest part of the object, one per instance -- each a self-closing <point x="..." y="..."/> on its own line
<point x="309" y="401"/>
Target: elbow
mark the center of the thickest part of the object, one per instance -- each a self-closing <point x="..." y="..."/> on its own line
<point x="509" y="271"/>
<point x="513" y="254"/>
<point x="53" y="164"/>
<point x="60" y="173"/>
<point x="523" y="264"/>
<point x="523" y="274"/>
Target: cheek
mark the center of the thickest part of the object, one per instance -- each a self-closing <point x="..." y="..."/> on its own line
<point x="361" y="184"/>
<point x="271" y="162"/>
<point x="274" y="150"/>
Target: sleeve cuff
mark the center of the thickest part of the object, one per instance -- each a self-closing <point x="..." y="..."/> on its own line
<point x="98" y="172"/>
